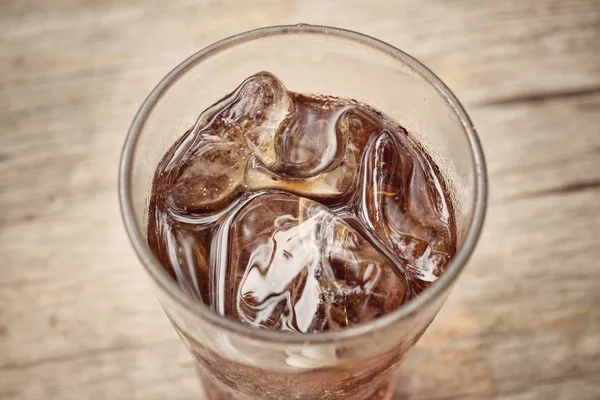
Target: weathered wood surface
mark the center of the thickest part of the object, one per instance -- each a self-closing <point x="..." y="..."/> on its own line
<point x="78" y="316"/>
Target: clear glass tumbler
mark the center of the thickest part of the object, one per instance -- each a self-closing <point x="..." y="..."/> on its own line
<point x="237" y="361"/>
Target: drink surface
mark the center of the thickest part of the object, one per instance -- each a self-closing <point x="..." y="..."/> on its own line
<point x="299" y="213"/>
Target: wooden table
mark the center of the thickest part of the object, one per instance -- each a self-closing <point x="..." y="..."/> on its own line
<point x="78" y="315"/>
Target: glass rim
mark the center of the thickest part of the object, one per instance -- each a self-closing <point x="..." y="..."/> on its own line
<point x="166" y="282"/>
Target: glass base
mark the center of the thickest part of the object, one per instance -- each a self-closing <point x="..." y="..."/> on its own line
<point x="213" y="390"/>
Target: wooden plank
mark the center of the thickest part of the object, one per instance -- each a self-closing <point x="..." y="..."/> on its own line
<point x="78" y="318"/>
<point x="585" y="387"/>
<point x="519" y="48"/>
<point x="136" y="372"/>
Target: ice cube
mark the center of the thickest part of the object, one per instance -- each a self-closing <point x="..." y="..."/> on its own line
<point x="251" y="115"/>
<point x="182" y="255"/>
<point x="295" y="266"/>
<point x="402" y="202"/>
<point x="346" y="132"/>
<point x="210" y="171"/>
<point x="311" y="142"/>
<point x="210" y="179"/>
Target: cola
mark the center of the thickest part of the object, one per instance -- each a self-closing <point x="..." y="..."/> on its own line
<point x="299" y="213"/>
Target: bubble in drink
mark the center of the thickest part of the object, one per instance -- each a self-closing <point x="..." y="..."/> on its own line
<point x="299" y="213"/>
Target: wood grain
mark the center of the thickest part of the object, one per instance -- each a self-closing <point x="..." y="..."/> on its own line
<point x="78" y="317"/>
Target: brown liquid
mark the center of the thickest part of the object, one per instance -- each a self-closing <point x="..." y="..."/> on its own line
<point x="299" y="213"/>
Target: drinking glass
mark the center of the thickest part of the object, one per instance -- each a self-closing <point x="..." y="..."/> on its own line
<point x="236" y="361"/>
